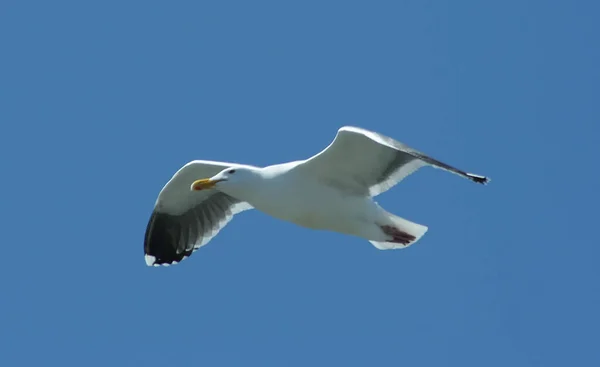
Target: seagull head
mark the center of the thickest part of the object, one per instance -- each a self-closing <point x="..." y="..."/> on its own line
<point x="229" y="179"/>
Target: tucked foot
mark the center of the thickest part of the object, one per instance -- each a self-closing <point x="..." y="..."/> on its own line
<point x="397" y="235"/>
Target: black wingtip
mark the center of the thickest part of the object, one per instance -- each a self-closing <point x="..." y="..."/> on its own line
<point x="160" y="243"/>
<point x="479" y="179"/>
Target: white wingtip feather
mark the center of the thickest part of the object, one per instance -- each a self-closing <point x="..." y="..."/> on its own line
<point x="150" y="260"/>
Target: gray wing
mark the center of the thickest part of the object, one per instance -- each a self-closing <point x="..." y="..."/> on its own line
<point x="182" y="221"/>
<point x="171" y="238"/>
<point x="365" y="162"/>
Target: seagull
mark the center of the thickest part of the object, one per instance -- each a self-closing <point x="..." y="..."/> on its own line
<point x="332" y="191"/>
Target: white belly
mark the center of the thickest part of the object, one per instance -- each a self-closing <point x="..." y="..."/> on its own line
<point x="317" y="206"/>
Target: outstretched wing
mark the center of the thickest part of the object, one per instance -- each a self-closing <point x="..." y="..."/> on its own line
<point x="182" y="221"/>
<point x="363" y="161"/>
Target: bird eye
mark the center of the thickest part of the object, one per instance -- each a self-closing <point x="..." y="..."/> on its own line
<point x="231" y="171"/>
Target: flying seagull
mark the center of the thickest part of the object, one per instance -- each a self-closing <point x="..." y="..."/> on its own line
<point x="332" y="190"/>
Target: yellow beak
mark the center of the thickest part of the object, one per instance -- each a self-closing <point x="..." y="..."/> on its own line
<point x="205" y="183"/>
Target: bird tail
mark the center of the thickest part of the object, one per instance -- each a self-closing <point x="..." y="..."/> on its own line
<point x="400" y="233"/>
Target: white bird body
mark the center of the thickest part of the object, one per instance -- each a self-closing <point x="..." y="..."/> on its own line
<point x="332" y="191"/>
<point x="309" y="203"/>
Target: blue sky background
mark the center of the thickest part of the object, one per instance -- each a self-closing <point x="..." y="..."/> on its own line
<point x="101" y="102"/>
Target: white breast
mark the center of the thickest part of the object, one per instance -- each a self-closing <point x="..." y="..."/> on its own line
<point x="309" y="203"/>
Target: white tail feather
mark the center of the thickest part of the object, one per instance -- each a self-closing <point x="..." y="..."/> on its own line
<point x="414" y="229"/>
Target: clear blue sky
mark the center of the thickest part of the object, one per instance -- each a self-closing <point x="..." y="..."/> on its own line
<point x="100" y="103"/>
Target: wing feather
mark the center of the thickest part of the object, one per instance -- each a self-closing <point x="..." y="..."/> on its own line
<point x="183" y="221"/>
<point x="365" y="162"/>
